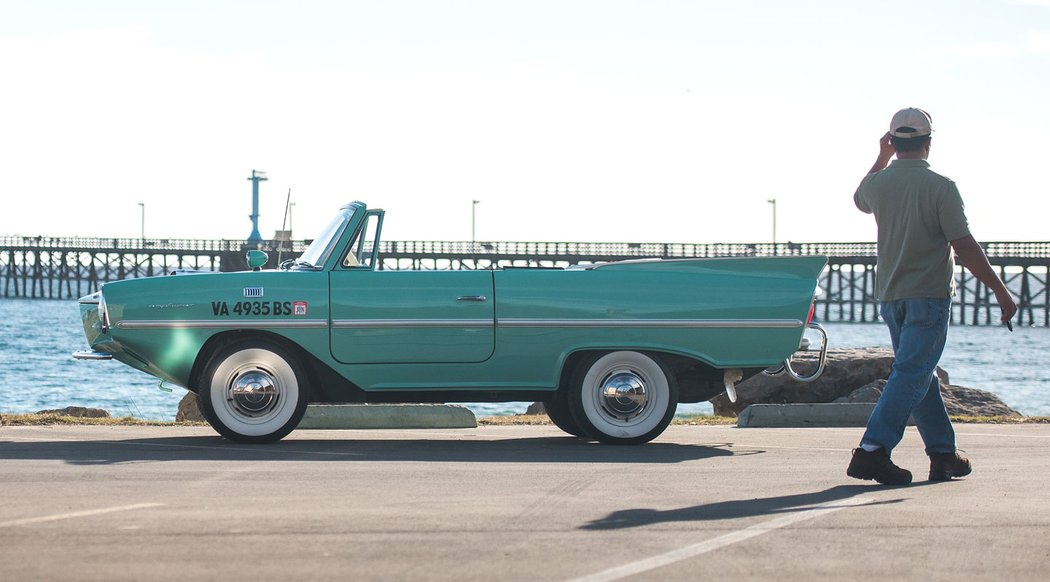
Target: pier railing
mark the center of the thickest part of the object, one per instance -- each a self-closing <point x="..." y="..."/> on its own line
<point x="498" y="249"/>
<point x="69" y="267"/>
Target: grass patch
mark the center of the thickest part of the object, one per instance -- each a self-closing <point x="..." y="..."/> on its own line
<point x="705" y="420"/>
<point x="1001" y="419"/>
<point x="514" y="420"/>
<point x="33" y="419"/>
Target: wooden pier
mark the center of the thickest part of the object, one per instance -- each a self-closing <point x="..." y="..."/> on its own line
<point x="66" y="268"/>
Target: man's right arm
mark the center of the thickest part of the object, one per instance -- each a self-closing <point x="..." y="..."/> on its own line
<point x="886" y="152"/>
<point x="972" y="257"/>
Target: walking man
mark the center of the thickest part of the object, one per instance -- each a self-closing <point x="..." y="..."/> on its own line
<point x="920" y="220"/>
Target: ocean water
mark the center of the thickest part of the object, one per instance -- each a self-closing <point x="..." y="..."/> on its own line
<point x="37" y="371"/>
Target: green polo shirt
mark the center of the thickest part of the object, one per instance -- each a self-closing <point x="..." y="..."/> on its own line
<point x="918" y="212"/>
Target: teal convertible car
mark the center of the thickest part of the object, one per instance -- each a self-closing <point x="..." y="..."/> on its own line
<point x="611" y="349"/>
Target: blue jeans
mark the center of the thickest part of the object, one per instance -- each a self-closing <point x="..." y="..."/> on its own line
<point x="918" y="329"/>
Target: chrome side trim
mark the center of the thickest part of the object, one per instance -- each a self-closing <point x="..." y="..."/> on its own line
<point x="417" y="323"/>
<point x="226" y="323"/>
<point x="665" y="323"/>
<point x="462" y="323"/>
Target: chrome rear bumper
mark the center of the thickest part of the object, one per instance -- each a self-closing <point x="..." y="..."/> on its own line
<point x="821" y="359"/>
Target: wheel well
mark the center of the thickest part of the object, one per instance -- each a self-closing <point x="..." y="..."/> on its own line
<point x="570" y="365"/>
<point x="672" y="362"/>
<point x="319" y="376"/>
<point x="697" y="380"/>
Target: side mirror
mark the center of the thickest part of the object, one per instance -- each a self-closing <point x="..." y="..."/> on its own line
<point x="256" y="259"/>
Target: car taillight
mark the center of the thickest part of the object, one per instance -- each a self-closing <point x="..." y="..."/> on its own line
<point x="103" y="314"/>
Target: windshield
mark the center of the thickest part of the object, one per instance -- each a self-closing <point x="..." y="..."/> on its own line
<point x="318" y="251"/>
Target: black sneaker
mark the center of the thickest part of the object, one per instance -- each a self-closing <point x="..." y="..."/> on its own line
<point x="944" y="466"/>
<point x="878" y="466"/>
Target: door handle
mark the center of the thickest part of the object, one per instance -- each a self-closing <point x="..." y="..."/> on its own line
<point x="471" y="298"/>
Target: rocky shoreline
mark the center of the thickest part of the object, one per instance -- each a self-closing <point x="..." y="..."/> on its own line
<point x="852" y="375"/>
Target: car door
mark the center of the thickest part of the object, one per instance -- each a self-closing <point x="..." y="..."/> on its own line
<point x="411" y="316"/>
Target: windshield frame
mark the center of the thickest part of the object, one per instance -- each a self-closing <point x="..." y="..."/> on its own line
<point x="316" y="255"/>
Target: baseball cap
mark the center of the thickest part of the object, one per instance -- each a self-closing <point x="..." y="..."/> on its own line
<point x="911" y="122"/>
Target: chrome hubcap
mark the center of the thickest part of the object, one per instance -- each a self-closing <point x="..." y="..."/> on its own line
<point x="623" y="394"/>
<point x="254" y="393"/>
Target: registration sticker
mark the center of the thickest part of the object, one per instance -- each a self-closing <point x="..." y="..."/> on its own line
<point x="299" y="308"/>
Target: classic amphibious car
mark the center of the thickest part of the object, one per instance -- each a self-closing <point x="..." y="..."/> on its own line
<point x="611" y="349"/>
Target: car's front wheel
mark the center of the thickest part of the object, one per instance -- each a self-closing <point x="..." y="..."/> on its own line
<point x="622" y="397"/>
<point x="253" y="392"/>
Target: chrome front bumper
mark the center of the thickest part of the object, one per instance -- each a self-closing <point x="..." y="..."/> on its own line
<point x="91" y="355"/>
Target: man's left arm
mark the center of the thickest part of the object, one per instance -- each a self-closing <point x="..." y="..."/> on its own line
<point x="972" y="257"/>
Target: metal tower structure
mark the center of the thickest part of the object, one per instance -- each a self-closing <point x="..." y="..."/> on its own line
<point x="257" y="176"/>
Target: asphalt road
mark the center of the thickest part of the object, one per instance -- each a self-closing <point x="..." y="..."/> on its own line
<point x="512" y="503"/>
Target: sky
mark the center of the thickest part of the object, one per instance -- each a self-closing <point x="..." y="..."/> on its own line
<point x="566" y="120"/>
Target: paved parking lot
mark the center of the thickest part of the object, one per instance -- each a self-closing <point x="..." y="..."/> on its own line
<point x="512" y="503"/>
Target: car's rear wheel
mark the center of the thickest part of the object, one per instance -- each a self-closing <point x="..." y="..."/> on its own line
<point x="253" y="392"/>
<point x="622" y="397"/>
<point x="557" y="408"/>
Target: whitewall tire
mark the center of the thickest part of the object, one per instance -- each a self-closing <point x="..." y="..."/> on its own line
<point x="253" y="392"/>
<point x="622" y="397"/>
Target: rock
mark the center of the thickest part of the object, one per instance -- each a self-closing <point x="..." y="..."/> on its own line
<point x="189" y="411"/>
<point x="852" y="375"/>
<point x="963" y="401"/>
<point x="536" y="408"/>
<point x="958" y="400"/>
<point x="78" y="412"/>
<point x="867" y="393"/>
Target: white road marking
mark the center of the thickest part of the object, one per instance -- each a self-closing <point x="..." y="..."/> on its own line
<point x="691" y="551"/>
<point x="76" y="514"/>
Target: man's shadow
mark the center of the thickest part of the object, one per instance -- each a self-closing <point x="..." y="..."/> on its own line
<point x="742" y="508"/>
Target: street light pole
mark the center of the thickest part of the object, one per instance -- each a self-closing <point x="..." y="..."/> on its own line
<point x="473" y="222"/>
<point x="142" y="207"/>
<point x="773" y="201"/>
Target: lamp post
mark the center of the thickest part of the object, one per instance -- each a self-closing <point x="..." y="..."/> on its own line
<point x="142" y="233"/>
<point x="473" y="222"/>
<point x="773" y="201"/>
